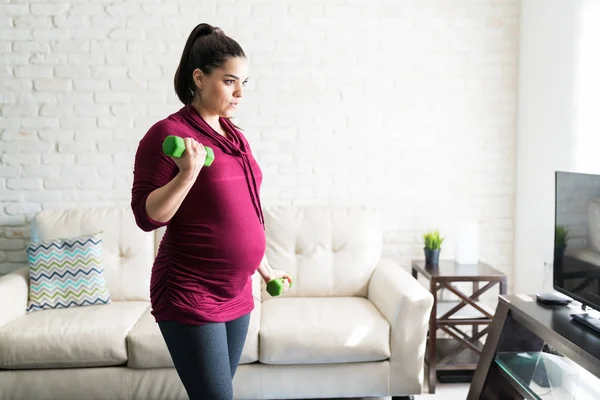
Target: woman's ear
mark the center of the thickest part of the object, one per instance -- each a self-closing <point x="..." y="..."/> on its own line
<point x="198" y="76"/>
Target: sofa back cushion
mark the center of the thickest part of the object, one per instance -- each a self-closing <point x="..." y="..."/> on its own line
<point x="329" y="250"/>
<point x="128" y="251"/>
<point x="593" y="220"/>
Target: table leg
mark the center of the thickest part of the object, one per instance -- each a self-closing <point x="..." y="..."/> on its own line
<point x="488" y="353"/>
<point x="431" y="350"/>
<point x="503" y="286"/>
<point x="475" y="328"/>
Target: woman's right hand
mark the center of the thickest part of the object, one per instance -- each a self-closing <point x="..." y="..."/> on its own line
<point x="192" y="160"/>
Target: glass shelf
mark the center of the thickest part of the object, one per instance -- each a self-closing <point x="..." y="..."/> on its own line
<point x="548" y="375"/>
<point x="534" y="351"/>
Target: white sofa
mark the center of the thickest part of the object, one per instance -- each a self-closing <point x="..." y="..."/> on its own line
<point x="354" y="324"/>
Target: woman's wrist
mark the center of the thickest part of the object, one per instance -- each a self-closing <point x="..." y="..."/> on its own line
<point x="266" y="277"/>
<point x="185" y="178"/>
<point x="265" y="271"/>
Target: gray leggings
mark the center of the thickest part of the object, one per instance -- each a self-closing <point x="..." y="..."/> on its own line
<point x="206" y="356"/>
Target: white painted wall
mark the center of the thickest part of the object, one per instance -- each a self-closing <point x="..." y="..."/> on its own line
<point x="406" y="105"/>
<point x="587" y="117"/>
<point x="558" y="125"/>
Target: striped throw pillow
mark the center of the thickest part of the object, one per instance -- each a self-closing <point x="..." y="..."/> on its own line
<point x="66" y="273"/>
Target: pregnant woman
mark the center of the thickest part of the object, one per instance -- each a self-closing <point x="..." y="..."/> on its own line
<point x="201" y="285"/>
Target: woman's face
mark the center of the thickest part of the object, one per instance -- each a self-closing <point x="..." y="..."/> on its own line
<point x="222" y="90"/>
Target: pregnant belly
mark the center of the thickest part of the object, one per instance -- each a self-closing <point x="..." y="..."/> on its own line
<point x="218" y="259"/>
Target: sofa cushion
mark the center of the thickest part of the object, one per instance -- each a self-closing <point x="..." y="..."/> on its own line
<point x="145" y="345"/>
<point x="69" y="337"/>
<point x="329" y="250"/>
<point x="322" y="330"/>
<point x="147" y="349"/>
<point x="66" y="273"/>
<point x="128" y="251"/>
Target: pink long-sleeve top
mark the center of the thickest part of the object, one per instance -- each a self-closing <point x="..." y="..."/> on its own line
<point x="216" y="239"/>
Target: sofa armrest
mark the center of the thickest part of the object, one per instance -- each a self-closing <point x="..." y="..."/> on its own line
<point x="14" y="293"/>
<point x="407" y="305"/>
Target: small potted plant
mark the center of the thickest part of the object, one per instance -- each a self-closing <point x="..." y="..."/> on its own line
<point x="561" y="235"/>
<point x="433" y="245"/>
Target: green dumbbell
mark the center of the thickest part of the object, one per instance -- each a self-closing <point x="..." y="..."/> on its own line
<point x="275" y="286"/>
<point x="174" y="146"/>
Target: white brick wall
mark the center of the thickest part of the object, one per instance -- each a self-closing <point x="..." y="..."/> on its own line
<point x="407" y="105"/>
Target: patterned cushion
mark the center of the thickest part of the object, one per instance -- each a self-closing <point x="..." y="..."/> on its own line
<point x="67" y="273"/>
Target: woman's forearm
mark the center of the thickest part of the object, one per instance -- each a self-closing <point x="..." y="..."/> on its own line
<point x="163" y="203"/>
<point x="265" y="270"/>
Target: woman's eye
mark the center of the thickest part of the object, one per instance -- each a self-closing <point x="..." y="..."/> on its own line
<point x="229" y="82"/>
<point x="244" y="83"/>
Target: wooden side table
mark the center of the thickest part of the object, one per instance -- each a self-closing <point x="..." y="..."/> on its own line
<point x="461" y="353"/>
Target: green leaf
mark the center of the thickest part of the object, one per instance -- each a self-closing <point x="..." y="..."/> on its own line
<point x="433" y="240"/>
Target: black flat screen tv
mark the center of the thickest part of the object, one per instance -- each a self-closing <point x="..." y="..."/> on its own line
<point x="576" y="271"/>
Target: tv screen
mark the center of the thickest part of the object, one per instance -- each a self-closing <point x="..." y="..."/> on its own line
<point x="577" y="237"/>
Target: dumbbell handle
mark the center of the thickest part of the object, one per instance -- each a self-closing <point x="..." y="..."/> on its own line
<point x="174" y="146"/>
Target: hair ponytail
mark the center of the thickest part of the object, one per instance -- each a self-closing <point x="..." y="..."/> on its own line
<point x="206" y="48"/>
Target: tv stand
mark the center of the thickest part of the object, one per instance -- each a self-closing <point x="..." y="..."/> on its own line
<point x="532" y="348"/>
<point x="587" y="320"/>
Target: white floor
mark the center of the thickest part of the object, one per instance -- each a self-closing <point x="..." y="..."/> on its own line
<point x="454" y="391"/>
<point x="446" y="391"/>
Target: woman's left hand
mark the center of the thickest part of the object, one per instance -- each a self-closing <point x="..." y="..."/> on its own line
<point x="287" y="281"/>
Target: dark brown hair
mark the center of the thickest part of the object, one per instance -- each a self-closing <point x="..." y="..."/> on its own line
<point x="206" y="48"/>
